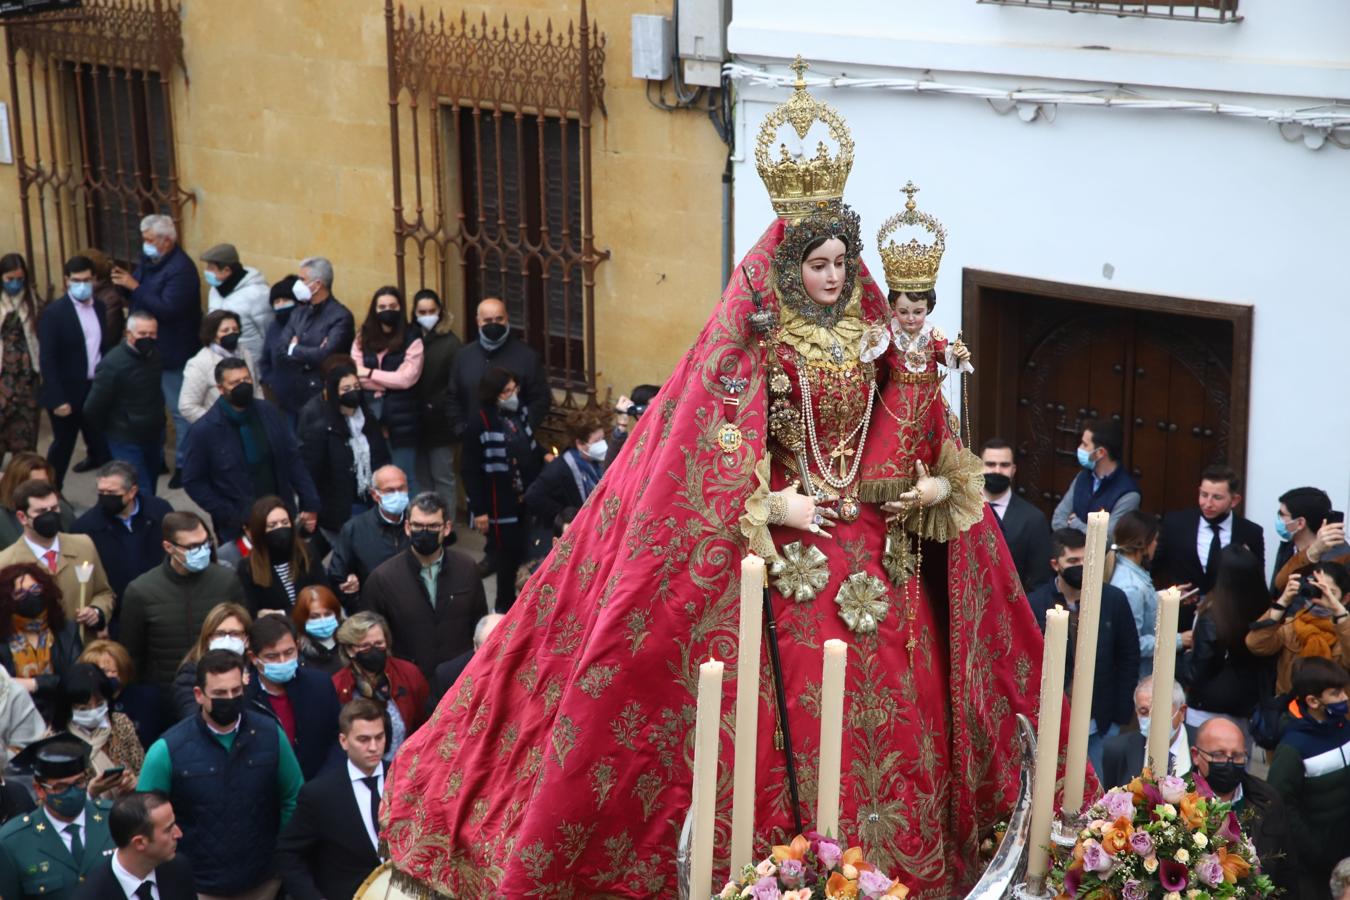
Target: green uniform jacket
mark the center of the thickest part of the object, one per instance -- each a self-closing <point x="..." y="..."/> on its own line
<point x="34" y="861"/>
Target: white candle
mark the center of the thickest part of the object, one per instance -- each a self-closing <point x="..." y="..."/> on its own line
<point x="831" y="737"/>
<point x="1047" y="744"/>
<point x="1085" y="662"/>
<point x="83" y="572"/>
<point x="707" y="727"/>
<point x="747" y="714"/>
<point x="1164" y="674"/>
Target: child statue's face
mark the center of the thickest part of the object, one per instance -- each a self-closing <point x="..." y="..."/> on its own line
<point x="911" y="314"/>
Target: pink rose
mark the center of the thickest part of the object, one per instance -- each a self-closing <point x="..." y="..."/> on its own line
<point x="1172" y="788"/>
<point x="872" y="884"/>
<point x="1119" y="803"/>
<point x="1095" y="857"/>
<point x="829" y="854"/>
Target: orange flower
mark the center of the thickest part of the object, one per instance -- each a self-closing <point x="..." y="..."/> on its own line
<point x="898" y="890"/>
<point x="1191" y="812"/>
<point x="851" y="863"/>
<point x="1116" y="836"/>
<point x="796" y="850"/>
<point x="1234" y="866"/>
<point x="1136" y="787"/>
<point x="839" y="888"/>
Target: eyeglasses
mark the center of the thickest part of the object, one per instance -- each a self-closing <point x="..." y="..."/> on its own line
<point x="228" y="633"/>
<point x="190" y="547"/>
<point x="415" y="527"/>
<point x="1237" y="759"/>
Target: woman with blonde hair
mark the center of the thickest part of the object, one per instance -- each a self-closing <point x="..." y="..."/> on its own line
<point x="372" y="671"/>
<point x="26" y="467"/>
<point x="138" y="702"/>
<point x="225" y="628"/>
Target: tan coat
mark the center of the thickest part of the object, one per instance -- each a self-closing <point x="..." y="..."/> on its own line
<point x="1282" y="640"/>
<point x="75" y="548"/>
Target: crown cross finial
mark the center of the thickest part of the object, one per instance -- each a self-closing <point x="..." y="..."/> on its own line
<point x="909" y="191"/>
<point x="800" y="66"/>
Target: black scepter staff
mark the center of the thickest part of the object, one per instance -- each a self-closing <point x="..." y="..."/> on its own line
<point x="781" y="696"/>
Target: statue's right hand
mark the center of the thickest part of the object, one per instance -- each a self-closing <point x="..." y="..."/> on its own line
<point x="801" y="511"/>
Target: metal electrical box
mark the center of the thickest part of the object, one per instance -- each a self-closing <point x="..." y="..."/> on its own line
<point x="703" y="39"/>
<point x="653" y="47"/>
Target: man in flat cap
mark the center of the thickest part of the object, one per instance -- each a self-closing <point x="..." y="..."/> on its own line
<point x="47" y="853"/>
<point x="242" y="290"/>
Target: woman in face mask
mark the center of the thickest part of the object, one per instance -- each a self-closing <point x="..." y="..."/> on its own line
<point x="37" y="642"/>
<point x="371" y="670"/>
<point x="565" y="482"/>
<point x="388" y="355"/>
<point x="500" y="460"/>
<point x="280" y="379"/>
<point x="280" y="560"/>
<point x="317" y="616"/>
<point x="225" y="628"/>
<point x="85" y="711"/>
<point x="220" y="340"/>
<point x="435" y="470"/>
<point x="1308" y="619"/>
<point x="18" y="358"/>
<point x="138" y="702"/>
<point x="343" y="445"/>
<point x="1136" y="543"/>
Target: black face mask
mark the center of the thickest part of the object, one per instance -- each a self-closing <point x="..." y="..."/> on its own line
<point x="1073" y="576"/>
<point x="350" y="399"/>
<point x="372" y="660"/>
<point x="1225" y="777"/>
<point x="426" y="542"/>
<point x="30" y="604"/>
<point x="282" y="315"/>
<point x="112" y="504"/>
<point x="230" y="341"/>
<point x="493" y="331"/>
<point x="241" y="394"/>
<point x="279" y="542"/>
<point x="47" y="524"/>
<point x="996" y="483"/>
<point x="388" y="317"/>
<point x="145" y="346"/>
<point x="225" y="711"/>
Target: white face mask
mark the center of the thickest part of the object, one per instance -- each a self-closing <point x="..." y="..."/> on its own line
<point x="302" y="292"/>
<point x="228" y="642"/>
<point x="89" y="719"/>
<point x="598" y="450"/>
<point x="428" y="322"/>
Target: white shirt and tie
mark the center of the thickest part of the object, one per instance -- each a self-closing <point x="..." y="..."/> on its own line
<point x="363" y="798"/>
<point x="132" y="885"/>
<point x="1204" y="538"/>
<point x="48" y="557"/>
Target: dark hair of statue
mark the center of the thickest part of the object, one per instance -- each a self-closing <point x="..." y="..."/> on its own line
<point x="929" y="296"/>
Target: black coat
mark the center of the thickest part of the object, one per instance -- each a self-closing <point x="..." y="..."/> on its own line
<point x="123" y="402"/>
<point x="325" y="851"/>
<point x="324" y="447"/>
<point x="518" y="358"/>
<point x="1117" y="653"/>
<point x="65" y="361"/>
<point x="66" y="649"/>
<point x="400" y="412"/>
<point x="315" y="704"/>
<point x="321" y="331"/>
<point x="1219" y="680"/>
<point x="1027" y="533"/>
<point x="1262" y="815"/>
<point x="553" y="491"/>
<point x="1123" y="757"/>
<point x="173" y="879"/>
<point x="433" y="388"/>
<point x="274" y="596"/>
<point x="127" y="554"/>
<point x="424" y="634"/>
<point x="1177" y="560"/>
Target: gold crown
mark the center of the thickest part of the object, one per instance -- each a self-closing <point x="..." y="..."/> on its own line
<point x="799" y="187"/>
<point x="911" y="267"/>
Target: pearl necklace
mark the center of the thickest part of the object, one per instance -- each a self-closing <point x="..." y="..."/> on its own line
<point x="808" y="412"/>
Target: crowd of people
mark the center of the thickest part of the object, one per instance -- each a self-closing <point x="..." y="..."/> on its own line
<point x="223" y="683"/>
<point x="1261" y="664"/>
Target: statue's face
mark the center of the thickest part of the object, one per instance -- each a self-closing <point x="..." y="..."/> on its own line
<point x="823" y="272"/>
<point x="911" y="314"/>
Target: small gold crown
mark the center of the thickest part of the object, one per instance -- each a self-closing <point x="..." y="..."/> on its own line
<point x="799" y="187"/>
<point x="911" y="267"/>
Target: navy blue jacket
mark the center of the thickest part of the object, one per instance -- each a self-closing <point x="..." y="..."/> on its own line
<point x="1108" y="492"/>
<point x="315" y="702"/>
<point x="1117" y="652"/>
<point x="127" y="554"/>
<point x="171" y="291"/>
<point x="322" y="331"/>
<point x="282" y="380"/>
<point x="65" y="361"/>
<point x="216" y="474"/>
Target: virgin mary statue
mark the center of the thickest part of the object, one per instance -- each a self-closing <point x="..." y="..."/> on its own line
<point x="559" y="765"/>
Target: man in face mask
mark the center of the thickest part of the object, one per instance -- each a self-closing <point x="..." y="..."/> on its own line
<point x="124" y="525"/>
<point x="124" y="401"/>
<point x="240" y="289"/>
<point x="497" y="347"/>
<point x="164" y="609"/>
<point x="431" y="595"/>
<point x="1117" y="638"/>
<point x="371" y="537"/>
<point x="48" y="853"/>
<point x="242" y="449"/>
<point x="66" y="556"/>
<point x="317" y="328"/>
<point x="1123" y="754"/>
<point x="1309" y="530"/>
<point x="1103" y="482"/>
<point x="232" y="778"/>
<point x="302" y="700"/>
<point x="566" y="482"/>
<point x="1024" y="527"/>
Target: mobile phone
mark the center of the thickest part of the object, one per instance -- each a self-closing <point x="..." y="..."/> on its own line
<point x="114" y="771"/>
<point x="1336" y="517"/>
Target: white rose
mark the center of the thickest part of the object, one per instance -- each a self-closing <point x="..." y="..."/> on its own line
<point x="1201" y="841"/>
<point x="1183" y="856"/>
<point x="1150" y="864"/>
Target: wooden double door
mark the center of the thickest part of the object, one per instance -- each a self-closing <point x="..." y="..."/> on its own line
<point x="1051" y="357"/>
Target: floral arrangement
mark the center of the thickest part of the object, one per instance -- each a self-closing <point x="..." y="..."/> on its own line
<point x="813" y="866"/>
<point x="1167" y="838"/>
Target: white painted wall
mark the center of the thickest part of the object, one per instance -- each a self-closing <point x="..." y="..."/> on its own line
<point x="1199" y="206"/>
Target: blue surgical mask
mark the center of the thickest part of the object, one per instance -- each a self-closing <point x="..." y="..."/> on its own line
<point x="394" y="502"/>
<point x="81" y="291"/>
<point x="321" y="629"/>
<point x="1085" y="459"/>
<point x="212" y="278"/>
<point x="1338" y="710"/>
<point x="1143" y="725"/>
<point x="1282" y="529"/>
<point x="68" y="803"/>
<point x="282" y="672"/>
<point x="198" y="558"/>
<point x="150" y="250"/>
<point x="14" y="286"/>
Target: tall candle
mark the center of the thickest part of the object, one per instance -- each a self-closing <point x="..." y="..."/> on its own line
<point x="83" y="572"/>
<point x="1085" y="662"/>
<point x="831" y="737"/>
<point x="1164" y="674"/>
<point x="707" y="725"/>
<point x="747" y="714"/>
<point x="1047" y="744"/>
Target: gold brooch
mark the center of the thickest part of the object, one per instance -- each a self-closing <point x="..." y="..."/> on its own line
<point x="729" y="437"/>
<point x="899" y="560"/>
<point x="800" y="572"/>
<point x="862" y="602"/>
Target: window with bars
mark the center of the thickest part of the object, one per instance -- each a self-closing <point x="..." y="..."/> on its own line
<point x="520" y="197"/>
<point x="1219" y="11"/>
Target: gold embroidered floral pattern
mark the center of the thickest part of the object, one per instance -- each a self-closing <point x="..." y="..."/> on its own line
<point x="899" y="559"/>
<point x="800" y="572"/>
<point x="596" y="678"/>
<point x="862" y="602"/>
<point x="629" y="724"/>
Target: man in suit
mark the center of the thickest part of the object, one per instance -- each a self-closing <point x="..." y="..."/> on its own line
<point x="332" y="842"/>
<point x="1117" y="637"/>
<point x="1123" y="754"/>
<point x="1192" y="540"/>
<point x="71" y="341"/>
<point x="1025" y="528"/>
<point x="146" y="865"/>
<point x="48" y="853"/>
<point x="38" y="507"/>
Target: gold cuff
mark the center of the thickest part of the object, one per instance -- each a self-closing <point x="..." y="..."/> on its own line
<point x="778" y="508"/>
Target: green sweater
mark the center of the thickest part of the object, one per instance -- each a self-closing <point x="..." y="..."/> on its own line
<point x="157" y="770"/>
